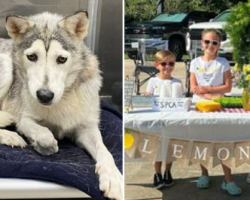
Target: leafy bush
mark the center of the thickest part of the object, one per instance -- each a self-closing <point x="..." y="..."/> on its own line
<point x="238" y="28"/>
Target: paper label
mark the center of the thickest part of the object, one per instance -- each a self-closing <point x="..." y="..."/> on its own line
<point x="171" y="104"/>
<point x="135" y="45"/>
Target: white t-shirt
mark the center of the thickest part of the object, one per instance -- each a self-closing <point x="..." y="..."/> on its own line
<point x="209" y="73"/>
<point x="155" y="83"/>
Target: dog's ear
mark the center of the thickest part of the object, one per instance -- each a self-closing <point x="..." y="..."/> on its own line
<point x="76" y="25"/>
<point x="17" y="26"/>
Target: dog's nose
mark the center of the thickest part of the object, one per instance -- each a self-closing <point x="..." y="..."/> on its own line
<point x="44" y="96"/>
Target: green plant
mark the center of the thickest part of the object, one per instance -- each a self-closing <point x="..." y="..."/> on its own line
<point x="241" y="76"/>
<point x="229" y="102"/>
<point x="238" y="28"/>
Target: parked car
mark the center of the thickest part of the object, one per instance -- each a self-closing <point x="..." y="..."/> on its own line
<point x="165" y="31"/>
<point x="194" y="36"/>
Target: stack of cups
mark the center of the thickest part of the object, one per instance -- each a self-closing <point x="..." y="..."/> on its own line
<point x="166" y="89"/>
<point x="169" y="89"/>
<point x="177" y="91"/>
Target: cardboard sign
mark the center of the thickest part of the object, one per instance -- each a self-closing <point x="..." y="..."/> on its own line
<point x="172" y="104"/>
<point x="143" y="101"/>
<point x="128" y="92"/>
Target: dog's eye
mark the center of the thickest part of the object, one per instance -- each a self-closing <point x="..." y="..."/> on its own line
<point x="32" y="57"/>
<point x="61" y="60"/>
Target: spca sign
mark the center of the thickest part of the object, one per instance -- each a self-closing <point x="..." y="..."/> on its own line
<point x="171" y="104"/>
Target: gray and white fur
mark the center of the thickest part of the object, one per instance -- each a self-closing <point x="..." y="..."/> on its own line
<point x="49" y="87"/>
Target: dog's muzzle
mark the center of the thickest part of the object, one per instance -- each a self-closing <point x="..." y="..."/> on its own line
<point x="45" y="96"/>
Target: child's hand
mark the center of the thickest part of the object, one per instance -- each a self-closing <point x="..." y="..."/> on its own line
<point x="200" y="90"/>
<point x="203" y="89"/>
<point x="196" y="90"/>
<point x="148" y="94"/>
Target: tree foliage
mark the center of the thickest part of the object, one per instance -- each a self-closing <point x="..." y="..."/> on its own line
<point x="140" y="10"/>
<point x="143" y="10"/>
<point x="210" y="5"/>
<point x="238" y="28"/>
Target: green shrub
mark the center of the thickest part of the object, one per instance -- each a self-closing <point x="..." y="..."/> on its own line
<point x="238" y="28"/>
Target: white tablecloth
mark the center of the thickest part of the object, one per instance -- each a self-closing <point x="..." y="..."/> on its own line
<point x="192" y="125"/>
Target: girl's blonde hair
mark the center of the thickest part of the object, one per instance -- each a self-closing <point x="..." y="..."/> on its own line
<point x="163" y="55"/>
<point x="214" y="31"/>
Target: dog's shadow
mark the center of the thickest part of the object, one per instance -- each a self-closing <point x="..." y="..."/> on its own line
<point x="185" y="189"/>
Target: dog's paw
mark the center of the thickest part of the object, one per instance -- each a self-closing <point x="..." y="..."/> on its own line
<point x="11" y="139"/>
<point x="111" y="181"/>
<point x="45" y="144"/>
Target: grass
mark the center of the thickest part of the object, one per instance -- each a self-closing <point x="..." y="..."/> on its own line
<point x="185" y="57"/>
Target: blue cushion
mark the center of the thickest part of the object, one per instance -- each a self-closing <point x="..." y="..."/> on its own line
<point x="71" y="165"/>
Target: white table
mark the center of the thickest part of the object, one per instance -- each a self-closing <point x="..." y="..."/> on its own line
<point x="192" y="125"/>
<point x="212" y="126"/>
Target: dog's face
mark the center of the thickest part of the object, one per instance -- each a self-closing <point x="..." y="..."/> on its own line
<point x="45" y="51"/>
<point x="46" y="70"/>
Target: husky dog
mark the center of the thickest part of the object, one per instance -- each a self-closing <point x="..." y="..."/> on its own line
<point x="48" y="75"/>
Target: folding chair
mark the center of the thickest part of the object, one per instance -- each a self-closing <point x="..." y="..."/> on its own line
<point x="140" y="67"/>
<point x="148" y="69"/>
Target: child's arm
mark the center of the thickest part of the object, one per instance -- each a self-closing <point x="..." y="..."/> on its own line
<point x="221" y="89"/>
<point x="150" y="88"/>
<point x="193" y="83"/>
<point x="148" y="93"/>
<point x="226" y="87"/>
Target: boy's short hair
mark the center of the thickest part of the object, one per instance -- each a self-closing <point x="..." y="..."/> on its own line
<point x="163" y="55"/>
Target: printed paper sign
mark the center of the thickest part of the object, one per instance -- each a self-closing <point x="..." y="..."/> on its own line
<point x="172" y="104"/>
<point x="135" y="45"/>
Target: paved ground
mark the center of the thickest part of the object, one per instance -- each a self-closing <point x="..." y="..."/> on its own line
<point x="139" y="175"/>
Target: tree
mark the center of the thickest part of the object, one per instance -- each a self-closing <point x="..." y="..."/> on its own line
<point x="140" y="10"/>
<point x="144" y="10"/>
<point x="216" y="6"/>
<point x="238" y="28"/>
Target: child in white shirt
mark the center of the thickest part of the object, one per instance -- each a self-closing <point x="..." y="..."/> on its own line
<point x="210" y="77"/>
<point x="165" y="63"/>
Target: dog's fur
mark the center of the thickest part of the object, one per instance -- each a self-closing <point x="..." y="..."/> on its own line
<point x="50" y="82"/>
